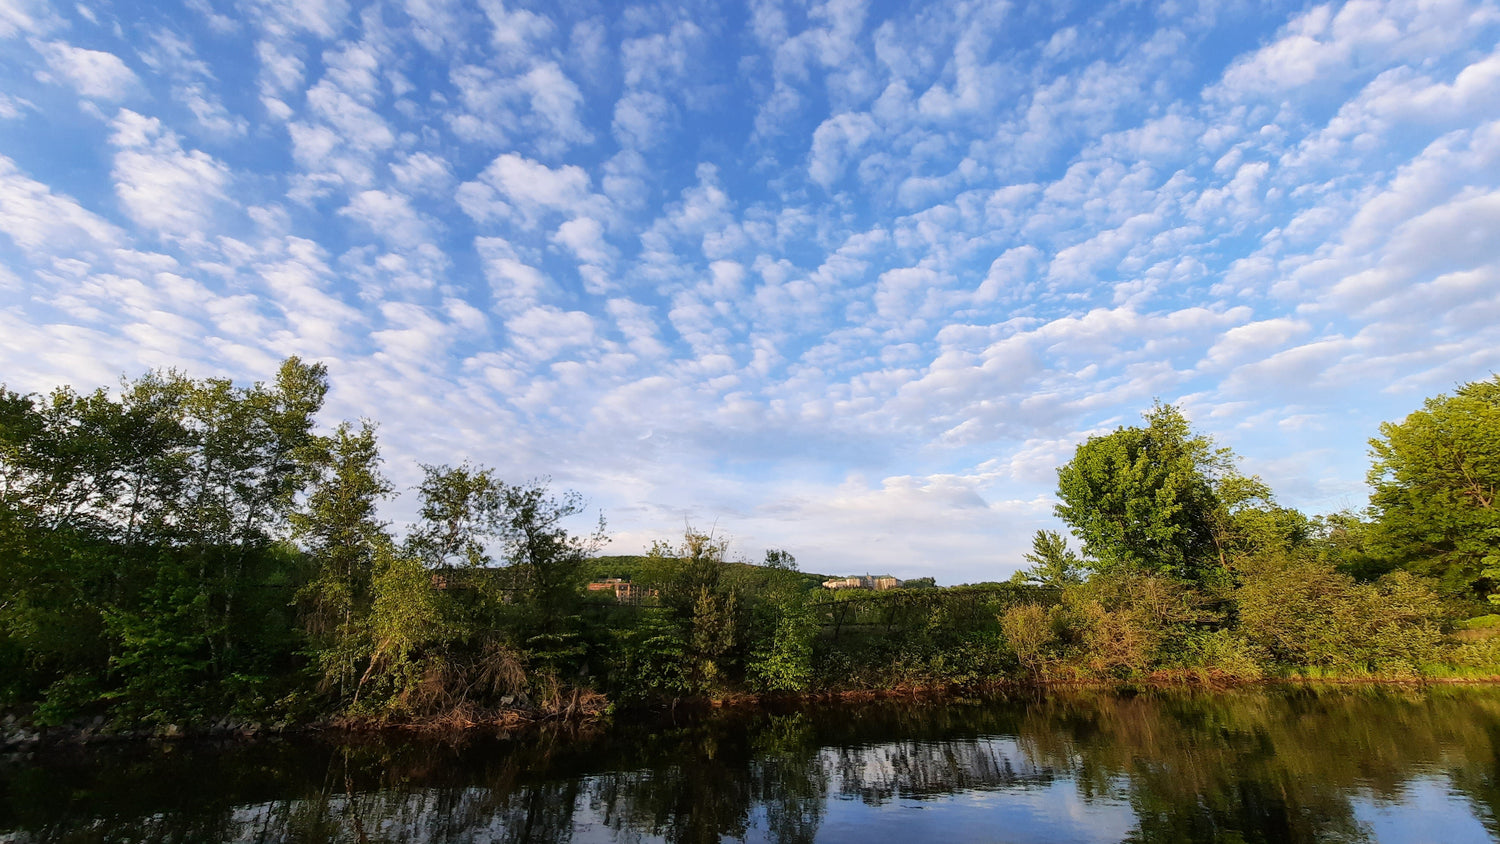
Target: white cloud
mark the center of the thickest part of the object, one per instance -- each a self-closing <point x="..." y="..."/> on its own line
<point x="357" y="125"/>
<point x="317" y="322"/>
<point x="1014" y="267"/>
<point x="390" y="216"/>
<point x="660" y="59"/>
<point x="162" y="186"/>
<point x="436" y="24"/>
<point x="515" y="284"/>
<point x="1256" y="339"/>
<point x="322" y="18"/>
<point x="20" y="16"/>
<point x="1323" y="47"/>
<point x="541" y="106"/>
<point x="641" y="119"/>
<point x="422" y="172"/>
<point x="279" y="70"/>
<point x="542" y="333"/>
<point x="43" y="222"/>
<point x="92" y="73"/>
<point x="514" y="30"/>
<point x="557" y="101"/>
<point x="697" y="270"/>
<point x="212" y="116"/>
<point x="584" y="238"/>
<point x="14" y="108"/>
<point x="513" y="184"/>
<point x="835" y="141"/>
<point x="638" y="325"/>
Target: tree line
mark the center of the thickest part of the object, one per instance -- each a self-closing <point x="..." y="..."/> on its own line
<point x="183" y="549"/>
<point x="1189" y="565"/>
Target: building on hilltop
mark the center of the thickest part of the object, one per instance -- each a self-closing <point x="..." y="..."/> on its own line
<point x="878" y="583"/>
<point x="624" y="591"/>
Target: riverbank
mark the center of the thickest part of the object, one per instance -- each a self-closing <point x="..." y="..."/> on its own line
<point x="590" y="710"/>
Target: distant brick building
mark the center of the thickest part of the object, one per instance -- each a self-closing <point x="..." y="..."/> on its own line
<point x="624" y="591"/>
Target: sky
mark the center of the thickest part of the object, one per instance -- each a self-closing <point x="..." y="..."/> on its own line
<point x="850" y="279"/>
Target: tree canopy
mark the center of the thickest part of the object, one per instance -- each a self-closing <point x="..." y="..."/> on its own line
<point x="1142" y="498"/>
<point x="1436" y="475"/>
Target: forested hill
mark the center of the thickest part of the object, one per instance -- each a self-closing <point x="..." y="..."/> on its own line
<point x="638" y="567"/>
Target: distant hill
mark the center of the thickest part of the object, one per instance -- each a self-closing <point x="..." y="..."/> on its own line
<point x="633" y="566"/>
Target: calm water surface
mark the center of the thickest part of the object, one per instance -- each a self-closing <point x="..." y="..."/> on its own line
<point x="1259" y="765"/>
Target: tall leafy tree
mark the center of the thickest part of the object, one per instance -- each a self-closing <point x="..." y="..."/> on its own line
<point x="548" y="559"/>
<point x="344" y="536"/>
<point x="145" y="522"/>
<point x="1142" y="498"/>
<point x="461" y="513"/>
<point x="1436" y="480"/>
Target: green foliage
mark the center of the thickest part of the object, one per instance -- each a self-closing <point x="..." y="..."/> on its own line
<point x="1143" y="498"/>
<point x="139" y="532"/>
<point x="1477" y="658"/>
<point x="1053" y="563"/>
<point x="1483" y="622"/>
<point x="1347" y="541"/>
<point x="1435" y="478"/>
<point x="1130" y="623"/>
<point x="654" y="661"/>
<point x="406" y="621"/>
<point x="343" y="536"/>
<point x="461" y="513"/>
<point x="1029" y="632"/>
<point x="548" y="560"/>
<point x="783" y="663"/>
<point x="1224" y="654"/>
<point x="1305" y="613"/>
<point x="181" y="549"/>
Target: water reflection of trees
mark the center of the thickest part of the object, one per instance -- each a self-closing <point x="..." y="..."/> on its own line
<point x="1263" y="765"/>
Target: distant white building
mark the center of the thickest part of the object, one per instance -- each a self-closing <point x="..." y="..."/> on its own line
<point x="877" y="584"/>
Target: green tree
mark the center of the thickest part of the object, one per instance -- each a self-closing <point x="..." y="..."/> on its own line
<point x="406" y="620"/>
<point x="1142" y="498"/>
<point x="462" y="509"/>
<point x="344" y="536"/>
<point x="547" y="558"/>
<point x="145" y="526"/>
<point x="1028" y="630"/>
<point x="1436" y="477"/>
<point x="1306" y="613"/>
<point x="1053" y="563"/>
<point x="691" y="578"/>
<point x="782" y="633"/>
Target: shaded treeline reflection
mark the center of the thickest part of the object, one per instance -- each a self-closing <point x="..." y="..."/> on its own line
<point x="1251" y="765"/>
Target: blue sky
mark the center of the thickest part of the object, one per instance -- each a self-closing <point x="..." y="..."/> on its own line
<point x="846" y="278"/>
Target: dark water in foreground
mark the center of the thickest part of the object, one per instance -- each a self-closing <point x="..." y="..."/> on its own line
<point x="1376" y="764"/>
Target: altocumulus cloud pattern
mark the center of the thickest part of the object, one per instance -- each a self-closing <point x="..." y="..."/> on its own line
<point x="849" y="278"/>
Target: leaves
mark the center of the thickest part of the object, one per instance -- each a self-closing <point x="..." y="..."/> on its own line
<point x="1143" y="498"/>
<point x="1435" y="478"/>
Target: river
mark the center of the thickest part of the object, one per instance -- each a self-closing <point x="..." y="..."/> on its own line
<point x="1263" y="764"/>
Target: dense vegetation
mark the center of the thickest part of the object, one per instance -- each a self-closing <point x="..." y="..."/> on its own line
<point x="186" y="549"/>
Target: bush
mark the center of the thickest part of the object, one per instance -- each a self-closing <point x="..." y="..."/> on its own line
<point x="655" y="662"/>
<point x="1028" y="631"/>
<point x="1224" y="653"/>
<point x="1305" y="613"/>
<point x="1128" y="623"/>
<point x="784" y="663"/>
<point x="1480" y="657"/>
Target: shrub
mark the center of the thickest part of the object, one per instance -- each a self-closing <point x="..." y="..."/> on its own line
<point x="1305" y="613"/>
